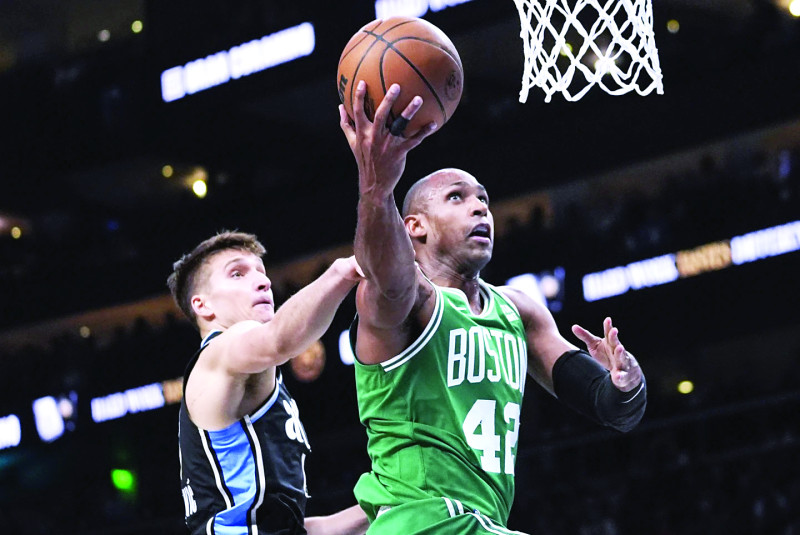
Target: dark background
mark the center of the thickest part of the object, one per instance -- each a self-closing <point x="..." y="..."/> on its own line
<point x="585" y="185"/>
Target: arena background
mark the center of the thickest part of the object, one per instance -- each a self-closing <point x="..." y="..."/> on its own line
<point x="96" y="202"/>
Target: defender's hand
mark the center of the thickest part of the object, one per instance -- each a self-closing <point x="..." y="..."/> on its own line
<point x="348" y="269"/>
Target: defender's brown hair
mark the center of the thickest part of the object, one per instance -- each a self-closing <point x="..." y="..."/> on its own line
<point x="183" y="280"/>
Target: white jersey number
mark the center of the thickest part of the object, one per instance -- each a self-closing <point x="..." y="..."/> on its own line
<point x="294" y="427"/>
<point x="189" y="504"/>
<point x="482" y="414"/>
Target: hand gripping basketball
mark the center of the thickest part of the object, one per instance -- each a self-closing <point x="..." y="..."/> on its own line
<point x="410" y="52"/>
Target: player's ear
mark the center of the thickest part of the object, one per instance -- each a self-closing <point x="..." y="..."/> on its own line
<point x="201" y="307"/>
<point x="416" y="226"/>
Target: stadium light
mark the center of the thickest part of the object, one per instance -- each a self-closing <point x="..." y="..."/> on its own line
<point x="49" y="422"/>
<point x="10" y="431"/>
<point x="124" y="480"/>
<point x="241" y="60"/>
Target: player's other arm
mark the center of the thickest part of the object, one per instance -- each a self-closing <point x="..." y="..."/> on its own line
<point x="606" y="384"/>
<point x="350" y="521"/>
<point x="545" y="343"/>
<point x="254" y="347"/>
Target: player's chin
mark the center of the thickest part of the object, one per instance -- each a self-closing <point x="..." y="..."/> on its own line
<point x="264" y="314"/>
<point x="482" y="247"/>
<point x="480" y="256"/>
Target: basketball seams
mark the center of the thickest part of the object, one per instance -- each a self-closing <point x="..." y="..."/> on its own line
<point x="378" y="38"/>
<point x="366" y="34"/>
<point x="455" y="58"/>
<point x="390" y="45"/>
<point x="373" y="30"/>
<point x="347" y="52"/>
<point x="427" y="41"/>
<point x="419" y="73"/>
<point x="355" y="71"/>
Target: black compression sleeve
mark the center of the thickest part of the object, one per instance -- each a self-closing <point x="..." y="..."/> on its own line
<point x="584" y="385"/>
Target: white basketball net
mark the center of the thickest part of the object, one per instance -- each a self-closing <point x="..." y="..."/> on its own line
<point x="571" y="45"/>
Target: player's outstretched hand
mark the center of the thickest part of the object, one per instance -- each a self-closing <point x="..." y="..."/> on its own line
<point x="608" y="351"/>
<point x="380" y="154"/>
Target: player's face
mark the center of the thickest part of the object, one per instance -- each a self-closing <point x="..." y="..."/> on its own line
<point x="461" y="224"/>
<point x="238" y="288"/>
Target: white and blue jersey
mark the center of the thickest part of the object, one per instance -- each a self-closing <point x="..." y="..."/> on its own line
<point x="248" y="478"/>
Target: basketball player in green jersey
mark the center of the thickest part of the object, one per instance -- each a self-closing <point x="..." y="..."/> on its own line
<point x="442" y="356"/>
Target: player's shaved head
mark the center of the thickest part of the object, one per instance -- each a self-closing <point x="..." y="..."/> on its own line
<point x="419" y="194"/>
<point x="416" y="199"/>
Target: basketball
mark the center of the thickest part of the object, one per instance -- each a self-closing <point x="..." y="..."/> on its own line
<point x="407" y="51"/>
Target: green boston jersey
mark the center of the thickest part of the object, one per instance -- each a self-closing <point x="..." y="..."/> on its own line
<point x="442" y="417"/>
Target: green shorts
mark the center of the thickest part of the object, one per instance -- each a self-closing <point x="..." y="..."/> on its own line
<point x="435" y="516"/>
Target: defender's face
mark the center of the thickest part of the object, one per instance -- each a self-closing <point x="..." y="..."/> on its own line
<point x="461" y="224"/>
<point x="237" y="288"/>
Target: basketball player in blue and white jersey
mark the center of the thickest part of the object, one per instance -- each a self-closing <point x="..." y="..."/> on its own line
<point x="242" y="445"/>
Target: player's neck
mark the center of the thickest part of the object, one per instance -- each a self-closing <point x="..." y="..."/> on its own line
<point x="442" y="275"/>
<point x="207" y="328"/>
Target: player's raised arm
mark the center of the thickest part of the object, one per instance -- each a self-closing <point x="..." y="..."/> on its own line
<point x="301" y="320"/>
<point x="232" y="293"/>
<point x="382" y="246"/>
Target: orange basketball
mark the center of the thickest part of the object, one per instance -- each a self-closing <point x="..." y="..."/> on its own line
<point x="408" y="51"/>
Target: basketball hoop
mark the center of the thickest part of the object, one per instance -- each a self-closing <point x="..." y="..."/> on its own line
<point x="571" y="45"/>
